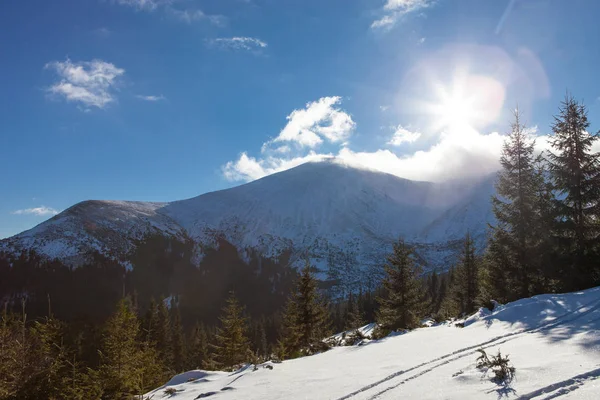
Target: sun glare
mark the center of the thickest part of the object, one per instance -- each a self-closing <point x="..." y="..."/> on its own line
<point x="469" y="101"/>
<point x="456" y="111"/>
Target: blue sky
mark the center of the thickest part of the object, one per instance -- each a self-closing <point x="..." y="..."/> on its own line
<point x="162" y="100"/>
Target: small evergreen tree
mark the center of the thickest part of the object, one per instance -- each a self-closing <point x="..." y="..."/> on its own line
<point x="232" y="346"/>
<point x="403" y="303"/>
<point x="120" y="369"/>
<point x="306" y="318"/>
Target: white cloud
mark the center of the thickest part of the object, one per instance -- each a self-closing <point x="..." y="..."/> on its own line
<point x="90" y="83"/>
<point x="395" y="9"/>
<point x="238" y="43"/>
<point x="190" y="16"/>
<point x="459" y="154"/>
<point x="102" y="32"/>
<point x="146" y="5"/>
<point x="319" y="119"/>
<point x="38" y="211"/>
<point x="150" y="97"/>
<point x="249" y="168"/>
<point x="384" y="108"/>
<point x="403" y="135"/>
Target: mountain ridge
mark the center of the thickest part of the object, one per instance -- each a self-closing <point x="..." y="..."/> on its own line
<point x="343" y="217"/>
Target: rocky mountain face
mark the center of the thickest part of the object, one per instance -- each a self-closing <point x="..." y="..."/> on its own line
<point x="344" y="219"/>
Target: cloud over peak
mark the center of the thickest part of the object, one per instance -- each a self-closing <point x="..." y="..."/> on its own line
<point x="38" y="211"/>
<point x="403" y="135"/>
<point x="459" y="152"/>
<point x="90" y="83"/>
<point x="321" y="119"/>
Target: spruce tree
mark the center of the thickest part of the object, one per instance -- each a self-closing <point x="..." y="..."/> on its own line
<point x="288" y="345"/>
<point x="467" y="287"/>
<point x="177" y="339"/>
<point x="546" y="279"/>
<point x="575" y="171"/>
<point x="119" y="369"/>
<point x="198" y="349"/>
<point x="150" y="323"/>
<point x="232" y="346"/>
<point x="514" y="206"/>
<point x="354" y="316"/>
<point x="402" y="305"/>
<point x="162" y="334"/>
<point x="306" y="319"/>
<point x="433" y="288"/>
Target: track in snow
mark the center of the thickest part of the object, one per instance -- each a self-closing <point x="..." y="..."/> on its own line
<point x="470" y="350"/>
<point x="563" y="387"/>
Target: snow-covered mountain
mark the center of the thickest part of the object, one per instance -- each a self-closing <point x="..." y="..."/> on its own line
<point x="553" y="342"/>
<point x="345" y="218"/>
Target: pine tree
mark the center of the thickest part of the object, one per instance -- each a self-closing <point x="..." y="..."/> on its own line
<point x="433" y="288"/>
<point x="177" y="339"/>
<point x="162" y="334"/>
<point x="354" y="316"/>
<point x="403" y="303"/>
<point x="199" y="350"/>
<point x="119" y="369"/>
<point x="306" y="319"/>
<point x="514" y="206"/>
<point x="575" y="172"/>
<point x="467" y="287"/>
<point x="150" y="323"/>
<point x="232" y="346"/>
<point x="9" y="382"/>
<point x="288" y="345"/>
<point x="546" y="279"/>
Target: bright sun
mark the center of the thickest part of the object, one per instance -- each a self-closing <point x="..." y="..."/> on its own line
<point x="456" y="110"/>
<point x="471" y="101"/>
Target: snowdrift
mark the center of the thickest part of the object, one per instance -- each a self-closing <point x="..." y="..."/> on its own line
<point x="553" y="341"/>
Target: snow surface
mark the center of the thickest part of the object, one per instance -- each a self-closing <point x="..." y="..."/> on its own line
<point x="552" y="340"/>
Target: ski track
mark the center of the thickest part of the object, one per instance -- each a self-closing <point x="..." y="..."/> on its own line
<point x="563" y="387"/>
<point x="495" y="341"/>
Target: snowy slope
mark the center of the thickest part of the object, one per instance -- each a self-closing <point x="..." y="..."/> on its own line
<point x="553" y="341"/>
<point x="340" y="215"/>
<point x="109" y="227"/>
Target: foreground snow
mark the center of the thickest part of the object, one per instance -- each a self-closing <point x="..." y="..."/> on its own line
<point x="553" y="341"/>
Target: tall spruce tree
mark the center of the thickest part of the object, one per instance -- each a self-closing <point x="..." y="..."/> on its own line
<point x="354" y="318"/>
<point x="433" y="291"/>
<point x="575" y="171"/>
<point x="198" y="355"/>
<point x="514" y="240"/>
<point x="162" y="333"/>
<point x="467" y="287"/>
<point x="306" y="318"/>
<point x="232" y="346"/>
<point x="177" y="339"/>
<point x="402" y="305"/>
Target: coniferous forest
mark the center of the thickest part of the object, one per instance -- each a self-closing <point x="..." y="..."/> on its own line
<point x="101" y="331"/>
